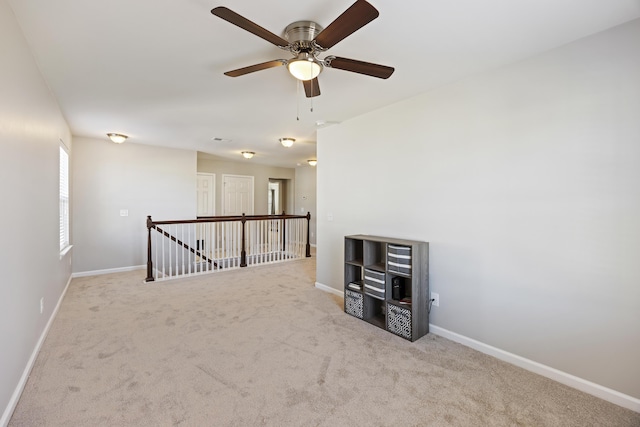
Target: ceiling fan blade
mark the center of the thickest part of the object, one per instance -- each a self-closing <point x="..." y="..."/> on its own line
<point x="361" y="67"/>
<point x="311" y="87"/>
<point x="357" y="16"/>
<point x="254" y="68"/>
<point x="242" y="22"/>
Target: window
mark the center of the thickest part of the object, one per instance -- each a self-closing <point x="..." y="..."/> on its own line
<point x="64" y="198"/>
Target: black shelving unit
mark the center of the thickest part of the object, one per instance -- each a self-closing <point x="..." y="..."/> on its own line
<point x="386" y="283"/>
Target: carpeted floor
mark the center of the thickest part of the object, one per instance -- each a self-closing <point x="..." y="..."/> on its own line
<point x="262" y="346"/>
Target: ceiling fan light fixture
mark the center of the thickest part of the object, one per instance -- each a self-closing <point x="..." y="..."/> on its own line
<point x="118" y="138"/>
<point x="312" y="162"/>
<point x="304" y="67"/>
<point x="287" y="142"/>
<point x="247" y="154"/>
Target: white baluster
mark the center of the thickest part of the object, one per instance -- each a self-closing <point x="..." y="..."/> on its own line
<point x="182" y="250"/>
<point x="155" y="249"/>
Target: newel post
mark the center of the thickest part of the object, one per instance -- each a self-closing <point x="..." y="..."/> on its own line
<point x="243" y="253"/>
<point x="284" y="232"/>
<point x="308" y="248"/>
<point x="149" y="262"/>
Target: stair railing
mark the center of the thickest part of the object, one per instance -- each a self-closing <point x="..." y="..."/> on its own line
<point x="181" y="248"/>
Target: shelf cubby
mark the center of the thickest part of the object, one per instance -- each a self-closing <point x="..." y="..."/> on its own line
<point x="354" y="252"/>
<point x="374" y="311"/>
<point x="375" y="255"/>
<point x="352" y="273"/>
<point x="402" y="282"/>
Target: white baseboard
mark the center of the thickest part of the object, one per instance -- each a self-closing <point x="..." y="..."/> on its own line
<point x="13" y="402"/>
<point x="108" y="271"/>
<point x="589" y="387"/>
<point x="329" y="289"/>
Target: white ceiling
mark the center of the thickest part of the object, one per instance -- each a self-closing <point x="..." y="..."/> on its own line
<point x="153" y="69"/>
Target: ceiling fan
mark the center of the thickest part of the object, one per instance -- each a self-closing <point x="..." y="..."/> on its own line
<point x="305" y="40"/>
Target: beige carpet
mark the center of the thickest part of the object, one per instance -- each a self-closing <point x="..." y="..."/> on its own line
<point x="262" y="346"/>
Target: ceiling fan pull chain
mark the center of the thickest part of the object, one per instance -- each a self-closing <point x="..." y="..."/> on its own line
<point x="298" y="99"/>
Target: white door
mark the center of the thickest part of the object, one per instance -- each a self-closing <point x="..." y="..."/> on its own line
<point x="238" y="195"/>
<point x="206" y="194"/>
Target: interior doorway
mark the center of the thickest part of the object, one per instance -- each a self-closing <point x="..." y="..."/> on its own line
<point x="278" y="197"/>
<point x="274" y="201"/>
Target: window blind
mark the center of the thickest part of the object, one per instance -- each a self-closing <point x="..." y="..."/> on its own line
<point x="64" y="198"/>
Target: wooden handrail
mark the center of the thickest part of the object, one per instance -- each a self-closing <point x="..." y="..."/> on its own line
<point x="202" y="219"/>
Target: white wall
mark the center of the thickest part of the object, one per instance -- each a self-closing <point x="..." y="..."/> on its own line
<point x="305" y="196"/>
<point x="31" y="126"/>
<point x="526" y="182"/>
<point x="142" y="179"/>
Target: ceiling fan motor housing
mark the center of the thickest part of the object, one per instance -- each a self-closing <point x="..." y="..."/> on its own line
<point x="300" y="34"/>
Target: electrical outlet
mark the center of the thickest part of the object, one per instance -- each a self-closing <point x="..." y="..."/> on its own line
<point x="436" y="299"/>
<point x="41" y="305"/>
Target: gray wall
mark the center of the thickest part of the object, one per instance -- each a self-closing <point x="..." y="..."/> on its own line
<point x="31" y="126"/>
<point x="526" y="181"/>
<point x="142" y="179"/>
<point x="261" y="173"/>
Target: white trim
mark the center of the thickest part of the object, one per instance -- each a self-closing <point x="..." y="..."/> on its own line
<point x="108" y="271"/>
<point x="329" y="289"/>
<point x="589" y="387"/>
<point x="65" y="251"/>
<point x="65" y="145"/>
<point x="15" y="397"/>
<point x="594" y="389"/>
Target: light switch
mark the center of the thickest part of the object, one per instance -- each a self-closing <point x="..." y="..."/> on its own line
<point x="124" y="212"/>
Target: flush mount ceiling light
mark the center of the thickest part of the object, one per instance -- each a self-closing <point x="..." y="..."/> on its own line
<point x="304" y="67"/>
<point x="287" y="142"/>
<point x="312" y="162"/>
<point x="247" y="154"/>
<point x="118" y="138"/>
